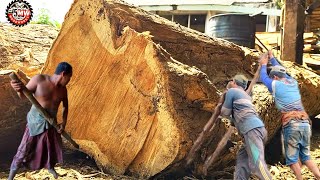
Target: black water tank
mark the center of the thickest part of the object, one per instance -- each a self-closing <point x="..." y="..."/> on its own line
<point x="237" y="28"/>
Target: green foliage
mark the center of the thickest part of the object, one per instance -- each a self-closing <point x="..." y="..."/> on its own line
<point x="279" y="4"/>
<point x="56" y="24"/>
<point x="44" y="18"/>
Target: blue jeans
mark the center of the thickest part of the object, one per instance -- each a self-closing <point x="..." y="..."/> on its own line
<point x="296" y="136"/>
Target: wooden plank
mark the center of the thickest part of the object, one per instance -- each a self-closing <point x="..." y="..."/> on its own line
<point x="272" y="39"/>
<point x="315" y="18"/>
<point x="269" y="38"/>
<point x="315" y="25"/>
<point x="315" y="28"/>
<point x="314" y="15"/>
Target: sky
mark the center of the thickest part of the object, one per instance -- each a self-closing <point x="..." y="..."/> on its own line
<point x="57" y="8"/>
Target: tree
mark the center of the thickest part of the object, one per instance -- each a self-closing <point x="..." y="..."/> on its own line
<point x="44" y="18"/>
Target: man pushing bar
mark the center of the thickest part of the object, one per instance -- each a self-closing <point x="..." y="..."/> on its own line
<point x="41" y="145"/>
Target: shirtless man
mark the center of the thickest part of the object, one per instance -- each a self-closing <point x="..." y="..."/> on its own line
<point x="41" y="145"/>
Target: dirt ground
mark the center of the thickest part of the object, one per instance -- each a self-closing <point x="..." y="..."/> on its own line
<point x="282" y="172"/>
<point x="79" y="166"/>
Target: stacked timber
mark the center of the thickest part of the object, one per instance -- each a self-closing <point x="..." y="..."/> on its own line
<point x="272" y="40"/>
<point x="314" y="19"/>
<point x="311" y="44"/>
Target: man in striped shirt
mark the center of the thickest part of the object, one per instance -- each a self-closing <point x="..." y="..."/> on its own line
<point x="295" y="121"/>
<point x="250" y="158"/>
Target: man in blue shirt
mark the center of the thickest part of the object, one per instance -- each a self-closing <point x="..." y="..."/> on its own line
<point x="295" y="121"/>
<point x="250" y="158"/>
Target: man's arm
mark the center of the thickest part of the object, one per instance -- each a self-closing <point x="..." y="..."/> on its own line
<point x="253" y="81"/>
<point x="275" y="62"/>
<point x="265" y="79"/>
<point x="226" y="109"/>
<point x="31" y="85"/>
<point x="272" y="59"/>
<point x="65" y="109"/>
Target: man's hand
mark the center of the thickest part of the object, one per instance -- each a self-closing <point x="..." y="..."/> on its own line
<point x="61" y="128"/>
<point x="270" y="54"/>
<point x="264" y="59"/>
<point x="16" y="85"/>
<point x="229" y="85"/>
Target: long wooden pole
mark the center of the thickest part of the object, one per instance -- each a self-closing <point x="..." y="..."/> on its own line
<point x="222" y="144"/>
<point x="179" y="168"/>
<point x="207" y="130"/>
<point x="41" y="110"/>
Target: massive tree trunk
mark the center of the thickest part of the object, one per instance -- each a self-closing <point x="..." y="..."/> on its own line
<point x="131" y="105"/>
<point x="136" y="101"/>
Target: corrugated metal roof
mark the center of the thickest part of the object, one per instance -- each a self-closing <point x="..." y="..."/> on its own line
<point x="181" y="2"/>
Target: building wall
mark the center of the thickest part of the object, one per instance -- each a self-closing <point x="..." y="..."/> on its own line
<point x="187" y="19"/>
<point x="194" y="20"/>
